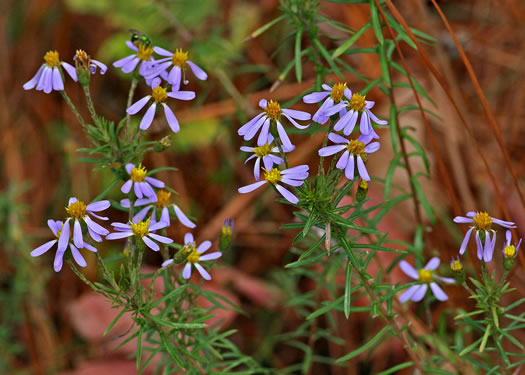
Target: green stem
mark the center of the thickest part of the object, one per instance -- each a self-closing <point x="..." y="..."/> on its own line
<point x="132" y="88"/>
<point x="74" y="109"/>
<point x="90" y="105"/>
<point x="325" y="142"/>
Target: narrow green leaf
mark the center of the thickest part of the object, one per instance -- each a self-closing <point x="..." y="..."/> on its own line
<point x="313" y="248"/>
<point x="346" y="45"/>
<point x="265" y="27"/>
<point x="153" y="171"/>
<point x="384" y="331"/>
<point x="348" y="288"/>
<point x="396" y="368"/>
<point x="298" y="64"/>
<point x="383" y="62"/>
<point x="114" y="321"/>
<point x="169" y="348"/>
<point x="328" y="58"/>
<point x="139" y="346"/>
<point x="376" y="23"/>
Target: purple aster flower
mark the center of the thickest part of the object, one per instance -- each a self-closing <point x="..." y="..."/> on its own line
<point x="141" y="229"/>
<point x="141" y="182"/>
<point x="335" y="94"/>
<point x="79" y="212"/>
<point x="482" y="225"/>
<point x="271" y="116"/>
<point x="354" y="149"/>
<point x="178" y="60"/>
<point x="162" y="203"/>
<point x="264" y="153"/>
<point x="142" y="55"/>
<point x="349" y="111"/>
<point x="56" y="228"/>
<point x="509" y="250"/>
<point x="426" y="276"/>
<point x="48" y="77"/>
<point x="195" y="256"/>
<point x="159" y="95"/>
<point x="292" y="176"/>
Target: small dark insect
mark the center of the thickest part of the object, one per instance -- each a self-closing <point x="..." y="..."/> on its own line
<point x="138" y="37"/>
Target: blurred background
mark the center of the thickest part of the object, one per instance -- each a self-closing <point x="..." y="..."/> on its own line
<point x="50" y="322"/>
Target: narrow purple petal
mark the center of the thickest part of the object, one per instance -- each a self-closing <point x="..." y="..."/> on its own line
<point x="432" y="264"/>
<point x="364" y="125"/>
<point x="438" y="292"/>
<point x="343" y="160"/>
<point x="148" y="117"/>
<point x="420" y="293"/>
<point x="157" y="183"/>
<point x="43" y="248"/>
<point x="488" y="251"/>
<point x="77" y="234"/>
<point x="408" y="269"/>
<point x="162" y="51"/>
<point x="149" y="243"/>
<point x="299" y="115"/>
<point x="331" y="150"/>
<point x="479" y="246"/>
<point x="349" y="128"/>
<point x="77" y="256"/>
<point x="287" y="194"/>
<point x="188" y="238"/>
<point x="294" y="123"/>
<point x="182" y="95"/>
<point x="98" y="206"/>
<point x="166" y="263"/>
<point x="243" y="129"/>
<point x="211" y="256"/>
<point x="186" y="272"/>
<point x="407" y="294"/>
<point x="315" y="97"/>
<point x="284" y="137"/>
<point x="336" y="138"/>
<point x="126" y="187"/>
<point x="148" y="191"/>
<point x="350" y="168"/>
<point x="183" y="218"/>
<point x="199" y="73"/>
<point x="58" y="83"/>
<point x="263" y="135"/>
<point x="97" y="228"/>
<point x="362" y="169"/>
<point x="118" y="235"/>
<point x="131" y="65"/>
<point x="251" y="187"/>
<point x="203" y="247"/>
<point x="31" y="84"/>
<point x="70" y="69"/>
<point x="59" y="258"/>
<point x="137" y="106"/>
<point x="64" y="237"/>
<point x="205" y="275"/>
<point x="160" y="238"/>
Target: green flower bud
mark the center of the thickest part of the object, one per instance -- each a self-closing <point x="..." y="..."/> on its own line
<point x="82" y="64"/>
<point x="163" y="144"/>
<point x="225" y="239"/>
<point x="362" y="191"/>
<point x="459" y="272"/>
<point x="508" y="263"/>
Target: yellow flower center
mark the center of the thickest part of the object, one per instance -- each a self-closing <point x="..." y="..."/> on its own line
<point x="356" y="147"/>
<point x="77" y="209"/>
<point x="273" y="110"/>
<point x="179" y="58"/>
<point x="138" y="174"/>
<point x="262" y="151"/>
<point x="482" y="220"/>
<point x="456" y="266"/>
<point x="338" y="91"/>
<point x="141" y="228"/>
<point x="226" y="230"/>
<point x="144" y="52"/>
<point x="363" y="185"/>
<point x="51" y="59"/>
<point x="273" y="176"/>
<point x="166" y="141"/>
<point x="58" y="233"/>
<point x="163" y="198"/>
<point x="509" y="251"/>
<point x="357" y="102"/>
<point x="425" y="275"/>
<point x="192" y="249"/>
<point x="159" y="94"/>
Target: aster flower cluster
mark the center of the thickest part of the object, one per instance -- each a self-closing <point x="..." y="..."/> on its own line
<point x="146" y="194"/>
<point x="273" y="142"/>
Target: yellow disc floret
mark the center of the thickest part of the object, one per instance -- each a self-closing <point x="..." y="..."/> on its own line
<point x="273" y="176"/>
<point x="509" y="251"/>
<point x="456" y="266"/>
<point x="51" y="58"/>
<point x="179" y="58"/>
<point x="159" y="94"/>
<point x="138" y="174"/>
<point x="163" y="198"/>
<point x="77" y="209"/>
<point x="141" y="228"/>
<point x="482" y="220"/>
<point x="273" y="110"/>
<point x="144" y="52"/>
<point x="338" y="91"/>
<point x="192" y="249"/>
<point x="356" y="147"/>
<point x="262" y="151"/>
<point x="357" y="102"/>
<point x="425" y="275"/>
<point x="363" y="184"/>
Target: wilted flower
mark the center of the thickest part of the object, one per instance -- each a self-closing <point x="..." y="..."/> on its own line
<point x="426" y="276"/>
<point x="178" y="60"/>
<point x="162" y="203"/>
<point x="272" y="116"/>
<point x="335" y="94"/>
<point x="140" y="229"/>
<point x="86" y="66"/>
<point x="264" y="153"/>
<point x="56" y="228"/>
<point x="349" y="111"/>
<point x="354" y="149"/>
<point x="78" y="211"/>
<point x="48" y="77"/>
<point x="141" y="182"/>
<point x="159" y="95"/>
<point x="292" y="176"/>
<point x="142" y="55"/>
<point x="482" y="225"/>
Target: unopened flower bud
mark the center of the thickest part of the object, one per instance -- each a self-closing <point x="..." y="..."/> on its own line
<point x="362" y="191"/>
<point x="225" y="239"/>
<point x="459" y="272"/>
<point x="163" y="144"/>
<point x="83" y="67"/>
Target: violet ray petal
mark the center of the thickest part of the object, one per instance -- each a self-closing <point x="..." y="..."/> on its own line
<point x="77" y="234"/>
<point x="408" y="269"/>
<point x="205" y="275"/>
<point x="64" y="237"/>
<point x="343" y="160"/>
<point x="211" y="256"/>
<point x="362" y="169"/>
<point x="155" y="182"/>
<point x="350" y="168"/>
<point x="146" y="121"/>
<point x="98" y="206"/>
<point x="315" y="97"/>
<point x="149" y="243"/>
<point x="465" y="241"/>
<point x="188" y="238"/>
<point x="42" y="248"/>
<point x="438" y="292"/>
<point x="160" y="238"/>
<point x="203" y="247"/>
<point x="432" y="264"/>
<point x="420" y="293"/>
<point x="31" y="84"/>
<point x="408" y="293"/>
<point x="186" y="272"/>
<point x="287" y="194"/>
<point x="79" y="259"/>
<point x="183" y="218"/>
<point x="199" y="73"/>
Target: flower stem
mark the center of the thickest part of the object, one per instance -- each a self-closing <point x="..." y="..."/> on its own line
<point x="90" y="105"/>
<point x="132" y="88"/>
<point x="74" y="109"/>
